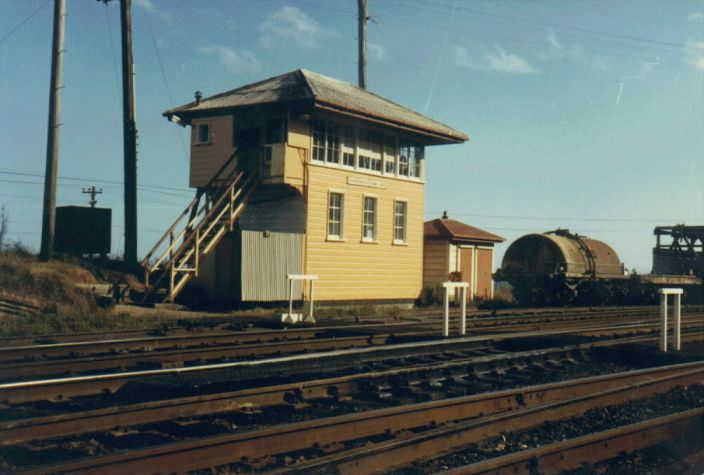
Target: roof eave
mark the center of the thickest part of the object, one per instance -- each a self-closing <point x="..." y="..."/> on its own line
<point x="339" y="108"/>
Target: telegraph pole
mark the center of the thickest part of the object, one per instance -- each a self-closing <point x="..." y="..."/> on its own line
<point x="52" y="141"/>
<point x="129" y="134"/>
<point x="362" y="42"/>
<point x="93" y="192"/>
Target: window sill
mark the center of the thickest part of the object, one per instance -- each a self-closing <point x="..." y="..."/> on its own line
<point x="400" y="243"/>
<point x="369" y="241"/>
<point x="334" y="239"/>
<point x="201" y="144"/>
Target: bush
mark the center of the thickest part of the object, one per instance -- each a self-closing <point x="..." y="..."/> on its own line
<point x="430" y="296"/>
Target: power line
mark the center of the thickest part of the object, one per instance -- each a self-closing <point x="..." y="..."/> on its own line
<point x="113" y="182"/>
<point x="571" y="218"/>
<point x="31" y="15"/>
<point x="164" y="79"/>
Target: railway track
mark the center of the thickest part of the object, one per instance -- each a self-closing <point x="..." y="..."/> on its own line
<point x="45" y="360"/>
<point x="176" y="407"/>
<point x="388" y="438"/>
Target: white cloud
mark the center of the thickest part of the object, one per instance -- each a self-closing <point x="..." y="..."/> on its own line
<point x="376" y="50"/>
<point x="235" y="60"/>
<point x="696" y="17"/>
<point x="695" y="54"/>
<point x="149" y="7"/>
<point x="497" y="60"/>
<point x="291" y="25"/>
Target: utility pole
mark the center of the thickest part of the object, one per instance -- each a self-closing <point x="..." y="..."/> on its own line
<point x="92" y="191"/>
<point x="362" y="42"/>
<point x="52" y="141"/>
<point x="129" y="134"/>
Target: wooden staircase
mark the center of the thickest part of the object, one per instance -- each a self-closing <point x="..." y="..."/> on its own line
<point x="178" y="255"/>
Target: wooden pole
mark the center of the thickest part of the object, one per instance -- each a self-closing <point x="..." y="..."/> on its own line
<point x="362" y="42"/>
<point x="129" y="134"/>
<point x="52" y="141"/>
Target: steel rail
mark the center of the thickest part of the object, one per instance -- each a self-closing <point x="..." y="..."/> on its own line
<point x="68" y="387"/>
<point x="23" y="430"/>
<point x="573" y="453"/>
<point x="533" y="412"/>
<point x="181" y="357"/>
<point x="545" y="402"/>
<point x="151" y="342"/>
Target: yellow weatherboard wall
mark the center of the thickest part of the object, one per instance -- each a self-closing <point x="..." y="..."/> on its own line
<point x="351" y="269"/>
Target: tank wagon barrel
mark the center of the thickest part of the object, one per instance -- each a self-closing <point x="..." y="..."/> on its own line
<point x="554" y="268"/>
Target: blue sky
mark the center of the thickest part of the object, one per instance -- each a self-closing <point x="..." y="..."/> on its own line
<point x="586" y="115"/>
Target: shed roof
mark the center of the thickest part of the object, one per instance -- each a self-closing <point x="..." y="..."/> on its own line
<point x="324" y="93"/>
<point x="451" y="229"/>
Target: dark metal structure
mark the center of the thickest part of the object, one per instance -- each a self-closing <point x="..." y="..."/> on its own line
<point x="678" y="250"/>
<point x="81" y="230"/>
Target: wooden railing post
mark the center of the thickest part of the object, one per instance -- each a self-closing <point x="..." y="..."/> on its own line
<point x="197" y="251"/>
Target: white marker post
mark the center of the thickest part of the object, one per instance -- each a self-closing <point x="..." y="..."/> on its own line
<point x="463" y="316"/>
<point x="295" y="318"/>
<point x="677" y="292"/>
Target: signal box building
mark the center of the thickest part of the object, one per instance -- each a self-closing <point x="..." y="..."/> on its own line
<point x="459" y="252"/>
<point x="340" y="180"/>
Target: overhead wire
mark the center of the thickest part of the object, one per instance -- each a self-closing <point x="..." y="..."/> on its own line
<point x="21" y="24"/>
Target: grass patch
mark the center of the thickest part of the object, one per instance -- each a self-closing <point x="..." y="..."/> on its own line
<point x="63" y="307"/>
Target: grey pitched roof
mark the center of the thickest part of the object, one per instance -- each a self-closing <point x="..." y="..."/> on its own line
<point x="325" y="93"/>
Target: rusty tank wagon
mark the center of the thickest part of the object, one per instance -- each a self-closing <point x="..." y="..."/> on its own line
<point x="561" y="268"/>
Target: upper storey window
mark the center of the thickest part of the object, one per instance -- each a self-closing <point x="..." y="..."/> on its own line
<point x="326" y="142"/>
<point x="203" y="133"/>
<point x="410" y="155"/>
<point x="365" y="150"/>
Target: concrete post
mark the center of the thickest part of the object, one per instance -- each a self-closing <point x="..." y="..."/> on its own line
<point x="446" y="321"/>
<point x="678" y="339"/>
<point x="677" y="293"/>
<point x="446" y="313"/>
<point x="463" y="316"/>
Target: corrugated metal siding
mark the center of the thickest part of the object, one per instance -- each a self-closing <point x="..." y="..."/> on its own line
<point x="265" y="263"/>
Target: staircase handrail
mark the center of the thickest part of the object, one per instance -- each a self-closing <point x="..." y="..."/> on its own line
<point x="194" y="202"/>
<point x="213" y="210"/>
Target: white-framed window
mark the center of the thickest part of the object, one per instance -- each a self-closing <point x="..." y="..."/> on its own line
<point x="348" y="147"/>
<point x="203" y="133"/>
<point x="369" y="147"/>
<point x="400" y="221"/>
<point x="390" y="152"/>
<point x="326" y="142"/>
<point x="336" y="212"/>
<point x="410" y="155"/>
<point x="369" y="218"/>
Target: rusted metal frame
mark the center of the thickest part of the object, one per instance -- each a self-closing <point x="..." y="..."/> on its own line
<point x="453" y="438"/>
<point x="222" y="450"/>
<point x="13" y="432"/>
<point x="572" y="453"/>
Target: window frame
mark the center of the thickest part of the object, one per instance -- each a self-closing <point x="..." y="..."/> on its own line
<point x="375" y="219"/>
<point x="340" y="221"/>
<point x="197" y="136"/>
<point x="404" y="226"/>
